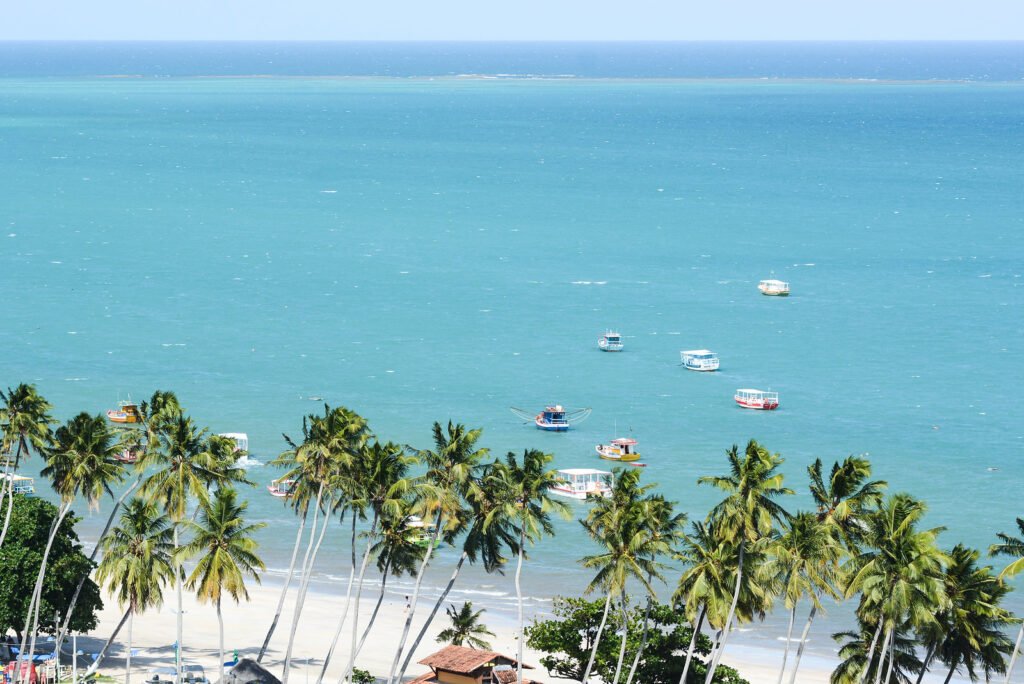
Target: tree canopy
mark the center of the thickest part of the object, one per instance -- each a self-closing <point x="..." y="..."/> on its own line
<point x="20" y="557"/>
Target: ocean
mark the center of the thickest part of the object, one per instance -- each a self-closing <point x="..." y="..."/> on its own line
<point x="428" y="232"/>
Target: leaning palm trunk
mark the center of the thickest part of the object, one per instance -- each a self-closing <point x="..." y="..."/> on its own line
<point x="177" y="587"/>
<point x="789" y="638"/>
<point x="713" y="665"/>
<point x="62" y="632"/>
<point x="892" y="657"/>
<point x="881" y="656"/>
<point x="220" y="662"/>
<point x="32" y="619"/>
<point x="106" y="647"/>
<point x="128" y="654"/>
<point x="693" y="642"/>
<point x="643" y="640"/>
<point x="412" y="604"/>
<point x="519" y="601"/>
<point x="803" y="642"/>
<point x="307" y="568"/>
<point x="348" y="598"/>
<point x="871" y="653"/>
<point x="10" y="497"/>
<point x="925" y="663"/>
<point x="597" y="639"/>
<point x="1013" y="658"/>
<point x="284" y="590"/>
<point x="369" y="624"/>
<point x="625" y="634"/>
<point x="430" y="618"/>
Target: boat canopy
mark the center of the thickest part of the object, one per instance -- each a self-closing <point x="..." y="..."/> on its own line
<point x="700" y="353"/>
<point x="624" y="441"/>
<point x="756" y="393"/>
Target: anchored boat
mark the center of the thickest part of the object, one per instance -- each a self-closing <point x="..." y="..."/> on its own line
<point x="282" y="489"/>
<point x="19" y="483"/>
<point x="610" y="342"/>
<point x="621" y="449"/>
<point x="554" y="418"/>
<point x="699" y="360"/>
<point x="126" y="412"/>
<point x="774" y="288"/>
<point x="579" y="483"/>
<point x="420" y="533"/>
<point x="757" y="399"/>
<point x="240" y="439"/>
<point x="130" y="454"/>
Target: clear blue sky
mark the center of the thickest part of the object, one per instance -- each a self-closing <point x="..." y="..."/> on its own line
<point x="511" y="20"/>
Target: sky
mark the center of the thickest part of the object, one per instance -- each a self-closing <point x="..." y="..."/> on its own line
<point x="511" y="20"/>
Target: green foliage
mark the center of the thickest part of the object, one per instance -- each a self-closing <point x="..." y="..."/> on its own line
<point x="466" y="629"/>
<point x="20" y="557"/>
<point x="668" y="638"/>
<point x="362" y="677"/>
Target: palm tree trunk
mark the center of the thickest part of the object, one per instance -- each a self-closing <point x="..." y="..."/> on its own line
<point x="220" y="661"/>
<point x="180" y="616"/>
<point x="519" y="601"/>
<point x="1013" y="658"/>
<point x="62" y="632"/>
<point x="128" y="654"/>
<point x="103" y="652"/>
<point x="881" y="656"/>
<point x="415" y="598"/>
<point x="430" y="618"/>
<point x="892" y="657"/>
<point x="693" y="642"/>
<point x="10" y="495"/>
<point x="714" y="647"/>
<point x="803" y="642"/>
<point x="728" y="621"/>
<point x="871" y="652"/>
<point x="348" y="596"/>
<point x="373" y="618"/>
<point x="597" y="639"/>
<point x="625" y="638"/>
<point x="927" y="659"/>
<point x="307" y="566"/>
<point x="643" y="639"/>
<point x="789" y="637"/>
<point x="32" y="621"/>
<point x="949" y="675"/>
<point x="284" y="590"/>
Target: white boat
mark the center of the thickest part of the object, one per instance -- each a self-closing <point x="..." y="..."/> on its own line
<point x="610" y="342"/>
<point x="579" y="483"/>
<point x="19" y="483"/>
<point x="240" y="439"/>
<point x="774" y="288"/>
<point x="282" y="489"/>
<point x="757" y="399"/>
<point x="699" y="360"/>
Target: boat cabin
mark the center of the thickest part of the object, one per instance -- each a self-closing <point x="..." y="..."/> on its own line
<point x="578" y="483"/>
<point x="772" y="287"/>
<point x="620" y="449"/>
<point x="240" y="439"/>
<point x="463" y="665"/>
<point x="282" y="489"/>
<point x="127" y="412"/>
<point x="699" y="360"/>
<point x="610" y="342"/>
<point x="19" y="483"/>
<point x="757" y="399"/>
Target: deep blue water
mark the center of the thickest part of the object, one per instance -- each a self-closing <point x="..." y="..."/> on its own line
<point x="430" y="250"/>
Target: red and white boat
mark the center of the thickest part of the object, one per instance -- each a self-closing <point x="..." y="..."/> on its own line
<point x="282" y="489"/>
<point x="757" y="399"/>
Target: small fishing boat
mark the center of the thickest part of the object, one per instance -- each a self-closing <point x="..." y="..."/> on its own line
<point x="757" y="399"/>
<point x="19" y="484"/>
<point x="620" y="449"/>
<point x="126" y="412"/>
<point x="553" y="418"/>
<point x="282" y="489"/>
<point x="129" y="454"/>
<point x="579" y="483"/>
<point x="610" y="342"/>
<point x="240" y="439"/>
<point x="699" y="360"/>
<point x="774" y="288"/>
<point x="420" y="533"/>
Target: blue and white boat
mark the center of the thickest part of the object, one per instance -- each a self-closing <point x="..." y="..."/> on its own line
<point x="699" y="360"/>
<point x="610" y="342"/>
<point x="554" y="418"/>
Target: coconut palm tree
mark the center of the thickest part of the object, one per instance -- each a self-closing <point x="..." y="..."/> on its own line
<point x="853" y="651"/>
<point x="805" y="559"/>
<point x="1013" y="547"/>
<point x="80" y="462"/>
<point x="898" y="574"/>
<point x="845" y="497"/>
<point x="451" y="465"/>
<point x="706" y="584"/>
<point x="184" y="470"/>
<point x="223" y="541"/>
<point x="523" y="489"/>
<point x="747" y="515"/>
<point x="136" y="566"/>
<point x="466" y="627"/>
<point x="25" y="424"/>
<point x="323" y="461"/>
<point x="614" y="523"/>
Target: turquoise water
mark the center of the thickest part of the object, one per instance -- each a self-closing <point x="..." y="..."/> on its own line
<point x="424" y="250"/>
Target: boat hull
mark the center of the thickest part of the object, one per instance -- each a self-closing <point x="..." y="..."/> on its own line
<point x="701" y="369"/>
<point x="775" y="294"/>
<point x="551" y="427"/>
<point x="614" y="456"/>
<point x="121" y="417"/>
<point x="578" y="496"/>
<point x="610" y="346"/>
<point x="759" y="405"/>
